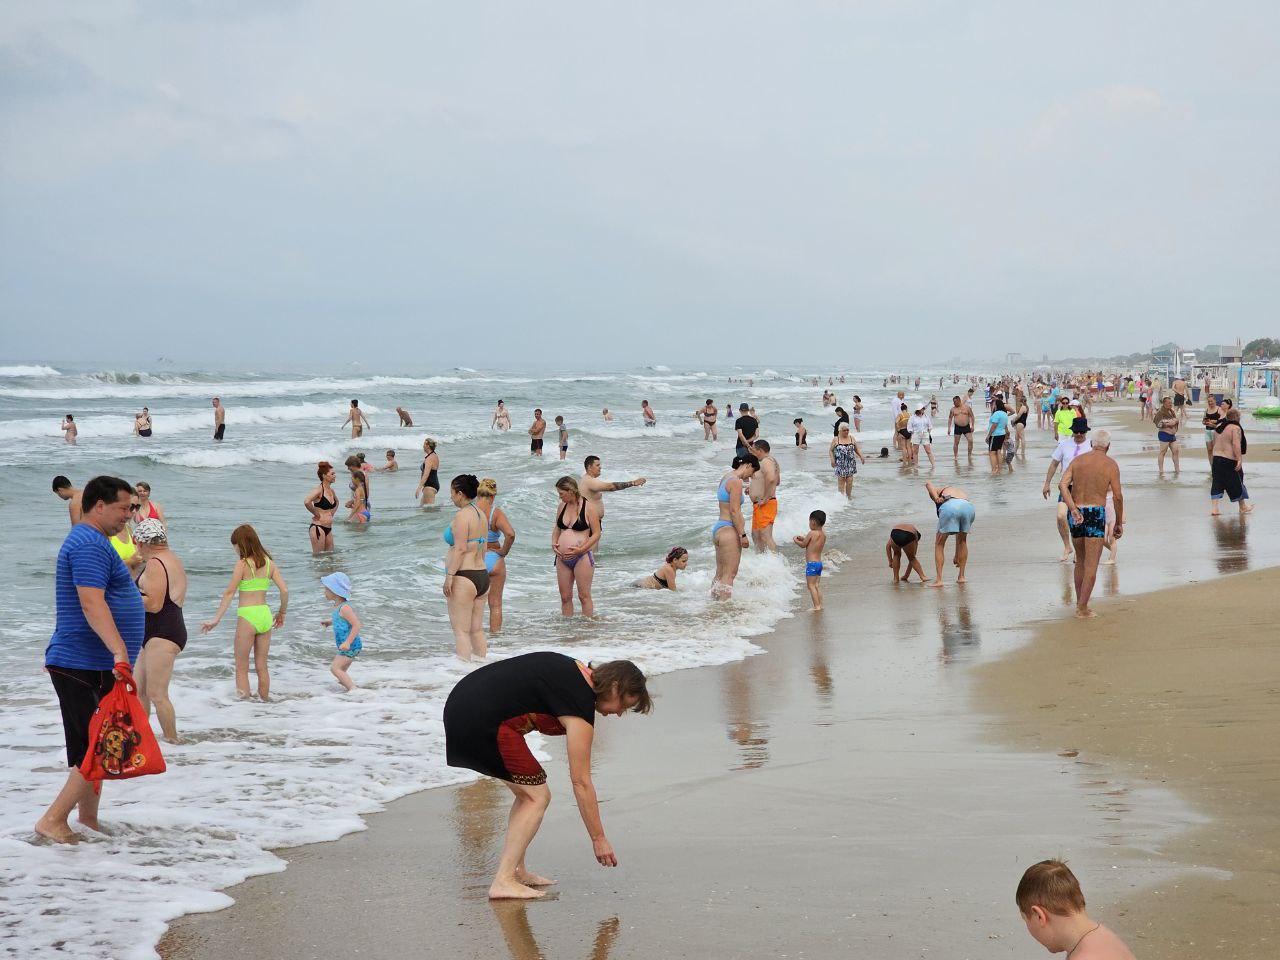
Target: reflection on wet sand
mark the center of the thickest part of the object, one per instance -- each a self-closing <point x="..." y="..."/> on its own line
<point x="961" y="637"/>
<point x="1230" y="536"/>
<point x="819" y="669"/>
<point x="1068" y="573"/>
<point x="479" y="821"/>
<point x="513" y="917"/>
<point x="744" y="729"/>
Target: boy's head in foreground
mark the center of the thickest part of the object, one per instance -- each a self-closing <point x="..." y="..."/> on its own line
<point x="1052" y="906"/>
<point x="817" y="520"/>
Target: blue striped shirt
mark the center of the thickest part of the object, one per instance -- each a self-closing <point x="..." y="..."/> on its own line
<point x="87" y="559"/>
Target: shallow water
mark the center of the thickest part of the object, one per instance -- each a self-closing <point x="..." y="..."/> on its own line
<point x="257" y="776"/>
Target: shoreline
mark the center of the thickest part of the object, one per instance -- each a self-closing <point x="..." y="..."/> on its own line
<point x="705" y="754"/>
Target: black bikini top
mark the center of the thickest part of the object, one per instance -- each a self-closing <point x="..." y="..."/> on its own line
<point x="323" y="502"/>
<point x="580" y="524"/>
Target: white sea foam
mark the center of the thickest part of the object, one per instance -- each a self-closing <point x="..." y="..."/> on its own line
<point x="35" y="370"/>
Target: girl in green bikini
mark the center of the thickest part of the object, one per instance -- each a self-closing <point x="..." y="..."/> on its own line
<point x="254" y="572"/>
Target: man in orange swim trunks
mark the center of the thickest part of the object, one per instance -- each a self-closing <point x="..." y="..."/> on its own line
<point x="764" y="498"/>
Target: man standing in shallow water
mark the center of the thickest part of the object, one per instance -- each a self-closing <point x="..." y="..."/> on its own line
<point x="1084" y="487"/>
<point x="219" y="419"/>
<point x="590" y="486"/>
<point x="960" y="424"/>
<point x="764" y="498"/>
<point x="536" y="431"/>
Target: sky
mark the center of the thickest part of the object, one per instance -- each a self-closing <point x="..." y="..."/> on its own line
<point x="597" y="183"/>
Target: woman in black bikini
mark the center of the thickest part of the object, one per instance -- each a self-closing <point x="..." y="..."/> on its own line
<point x="665" y="578"/>
<point x="576" y="532"/>
<point x="322" y="504"/>
<point x="1020" y="422"/>
<point x="903" y="540"/>
<point x="163" y="585"/>
<point x="429" y="479"/>
<point x="466" y="581"/>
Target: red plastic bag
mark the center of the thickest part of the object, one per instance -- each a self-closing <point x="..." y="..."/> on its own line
<point x="121" y="743"/>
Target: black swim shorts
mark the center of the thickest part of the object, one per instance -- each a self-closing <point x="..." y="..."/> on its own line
<point x="78" y="694"/>
<point x="217" y="434"/>
<point x="961" y="431"/>
<point x="535" y="445"/>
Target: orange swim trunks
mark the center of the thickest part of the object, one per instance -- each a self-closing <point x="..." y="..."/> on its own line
<point x="764" y="514"/>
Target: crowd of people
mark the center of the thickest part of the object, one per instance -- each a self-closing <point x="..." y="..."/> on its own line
<point x="121" y="588"/>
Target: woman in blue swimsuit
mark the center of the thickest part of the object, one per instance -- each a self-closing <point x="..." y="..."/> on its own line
<point x="729" y="533"/>
<point x="501" y="536"/>
<point x="573" y="539"/>
<point x="466" y="581"/>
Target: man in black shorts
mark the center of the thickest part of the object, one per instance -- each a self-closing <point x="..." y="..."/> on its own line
<point x="536" y="431"/>
<point x="960" y="424"/>
<point x="746" y="427"/>
<point x="99" y="626"/>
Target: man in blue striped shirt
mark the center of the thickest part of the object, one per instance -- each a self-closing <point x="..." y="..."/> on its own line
<point x="100" y="624"/>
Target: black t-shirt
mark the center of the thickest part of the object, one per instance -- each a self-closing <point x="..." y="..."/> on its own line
<point x="748" y="425"/>
<point x="835" y="427"/>
<point x="548" y="683"/>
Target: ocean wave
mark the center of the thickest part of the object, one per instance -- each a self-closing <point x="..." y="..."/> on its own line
<point x="155" y="388"/>
<point x="36" y="370"/>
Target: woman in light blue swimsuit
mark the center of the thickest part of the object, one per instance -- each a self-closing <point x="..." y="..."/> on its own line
<point x="729" y="533"/>
<point x="501" y="536"/>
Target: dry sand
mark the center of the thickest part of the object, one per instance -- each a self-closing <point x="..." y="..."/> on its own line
<point x="841" y="794"/>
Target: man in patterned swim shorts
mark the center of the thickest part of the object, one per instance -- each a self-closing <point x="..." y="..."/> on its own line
<point x="1085" y="486"/>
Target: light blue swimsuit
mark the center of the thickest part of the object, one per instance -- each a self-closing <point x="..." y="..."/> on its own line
<point x="722" y="494"/>
<point x="341" y="629"/>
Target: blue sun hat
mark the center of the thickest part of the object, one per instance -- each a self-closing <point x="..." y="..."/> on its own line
<point x="338" y="583"/>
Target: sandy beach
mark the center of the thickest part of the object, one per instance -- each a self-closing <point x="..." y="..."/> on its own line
<point x="877" y="779"/>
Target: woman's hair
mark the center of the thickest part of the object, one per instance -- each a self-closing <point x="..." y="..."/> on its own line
<point x="353" y="463"/>
<point x="569" y="484"/>
<point x="466" y="484"/>
<point x="857" y="398"/>
<point x="358" y="475"/>
<point x="624" y="678"/>
<point x="245" y="539"/>
<point x="143" y="485"/>
<point x="488" y="488"/>
<point x="323" y="467"/>
<point x="676" y="553"/>
<point x="840" y="410"/>
<point x="430" y="442"/>
<point x="751" y="459"/>
<point x="844" y="426"/>
<point x="999" y="404"/>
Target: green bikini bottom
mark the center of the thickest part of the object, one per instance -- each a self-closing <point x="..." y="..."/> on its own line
<point x="258" y="616"/>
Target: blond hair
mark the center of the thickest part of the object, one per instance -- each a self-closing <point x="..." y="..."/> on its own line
<point x="488" y="488"/>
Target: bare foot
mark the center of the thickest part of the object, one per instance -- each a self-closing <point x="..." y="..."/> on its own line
<point x="94" y="825"/>
<point x="1244" y="510"/>
<point x="961" y="580"/>
<point x="1214" y="513"/>
<point x="1069" y="555"/>
<point x="530" y="879"/>
<point x="936" y="583"/>
<point x="513" y="890"/>
<point x="1085" y="614"/>
<point x="57" y="833"/>
<point x="815" y="609"/>
<point x="1107" y="563"/>
<point x="176" y="741"/>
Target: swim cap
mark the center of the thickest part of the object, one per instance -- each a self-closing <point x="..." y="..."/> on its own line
<point x="150" y="530"/>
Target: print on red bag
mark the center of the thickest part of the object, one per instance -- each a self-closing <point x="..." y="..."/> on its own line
<point x="121" y="743"/>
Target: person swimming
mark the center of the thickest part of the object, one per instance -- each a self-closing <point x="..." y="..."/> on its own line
<point x="665" y="577"/>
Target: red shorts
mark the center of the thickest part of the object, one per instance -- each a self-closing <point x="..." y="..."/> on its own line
<point x="516" y="755"/>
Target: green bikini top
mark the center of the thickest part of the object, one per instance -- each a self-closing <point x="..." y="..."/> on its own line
<point x="257" y="583"/>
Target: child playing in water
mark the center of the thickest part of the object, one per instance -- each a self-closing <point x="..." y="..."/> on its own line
<point x="346" y="626"/>
<point x="813" y="542"/>
<point x="564" y="436"/>
<point x="1052" y="906"/>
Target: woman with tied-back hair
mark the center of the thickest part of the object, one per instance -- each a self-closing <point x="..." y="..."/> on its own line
<point x="148" y="509"/>
<point x="466" y="581"/>
<point x="502" y="537"/>
<point x="664" y="578"/>
<point x="361" y="511"/>
<point x="429" y="478"/>
<point x="574" y="536"/>
<point x="322" y="504"/>
<point x="729" y="533"/>
<point x="254" y="572"/>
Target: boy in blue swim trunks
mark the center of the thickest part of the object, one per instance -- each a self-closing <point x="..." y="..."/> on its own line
<point x="813" y="542"/>
<point x="346" y="627"/>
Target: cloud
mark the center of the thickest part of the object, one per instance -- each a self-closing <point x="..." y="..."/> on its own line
<point x="1117" y="105"/>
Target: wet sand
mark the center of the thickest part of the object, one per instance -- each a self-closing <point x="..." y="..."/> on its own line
<point x="1177" y="688"/>
<point x="838" y="795"/>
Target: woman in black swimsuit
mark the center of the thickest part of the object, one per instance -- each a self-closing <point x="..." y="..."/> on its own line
<point x="665" y="578"/>
<point x="486" y="719"/>
<point x="322" y="504"/>
<point x="163" y="585"/>
<point x="904" y="539"/>
<point x="576" y="532"/>
<point x="429" y="479"/>
<point x="1020" y="422"/>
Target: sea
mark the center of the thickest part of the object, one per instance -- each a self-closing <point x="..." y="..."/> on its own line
<point x="311" y="764"/>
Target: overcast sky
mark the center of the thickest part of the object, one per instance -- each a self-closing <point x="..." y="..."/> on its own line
<point x="487" y="183"/>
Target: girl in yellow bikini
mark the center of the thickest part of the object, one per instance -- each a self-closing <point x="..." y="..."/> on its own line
<point x="254" y="572"/>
